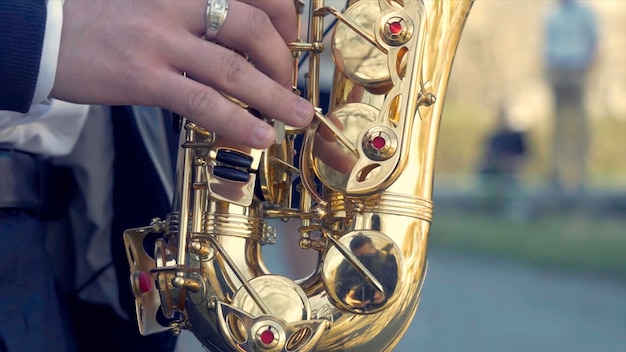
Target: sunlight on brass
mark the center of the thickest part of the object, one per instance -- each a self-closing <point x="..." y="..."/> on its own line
<point x="359" y="191"/>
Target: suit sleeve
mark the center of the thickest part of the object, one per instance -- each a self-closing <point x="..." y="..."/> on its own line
<point x="22" y="31"/>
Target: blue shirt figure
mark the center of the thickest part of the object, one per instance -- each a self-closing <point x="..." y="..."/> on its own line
<point x="570" y="46"/>
<point x="571" y="36"/>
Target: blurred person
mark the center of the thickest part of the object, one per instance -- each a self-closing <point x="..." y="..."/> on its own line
<point x="161" y="40"/>
<point x="504" y="157"/>
<point x="570" y="47"/>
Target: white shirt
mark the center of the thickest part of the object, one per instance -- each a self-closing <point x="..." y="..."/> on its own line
<point x="50" y="129"/>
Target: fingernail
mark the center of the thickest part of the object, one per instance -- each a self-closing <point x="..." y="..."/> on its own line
<point x="263" y="133"/>
<point x="304" y="109"/>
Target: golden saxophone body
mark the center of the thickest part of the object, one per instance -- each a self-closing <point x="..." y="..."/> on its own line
<point x="363" y="178"/>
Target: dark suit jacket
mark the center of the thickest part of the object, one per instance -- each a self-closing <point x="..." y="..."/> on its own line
<point x="139" y="194"/>
<point x="142" y="187"/>
<point x="22" y="29"/>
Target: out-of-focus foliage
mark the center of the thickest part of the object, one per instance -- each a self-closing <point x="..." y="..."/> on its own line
<point x="464" y="129"/>
<point x="580" y="243"/>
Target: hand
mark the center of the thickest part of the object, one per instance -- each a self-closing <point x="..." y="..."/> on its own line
<point x="134" y="52"/>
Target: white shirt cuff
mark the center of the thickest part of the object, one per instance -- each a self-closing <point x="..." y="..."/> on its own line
<point x="50" y="51"/>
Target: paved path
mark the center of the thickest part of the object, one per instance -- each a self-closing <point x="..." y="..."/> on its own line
<point x="475" y="304"/>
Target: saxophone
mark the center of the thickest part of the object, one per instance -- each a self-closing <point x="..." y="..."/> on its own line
<point x="360" y="188"/>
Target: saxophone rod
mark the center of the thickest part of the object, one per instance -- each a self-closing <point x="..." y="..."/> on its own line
<point x="337" y="132"/>
<point x="356" y="263"/>
<point x="357" y="29"/>
<point x="186" y="194"/>
<point x="253" y="294"/>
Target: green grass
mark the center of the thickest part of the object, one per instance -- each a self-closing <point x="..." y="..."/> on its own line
<point x="579" y="243"/>
<point x="574" y="242"/>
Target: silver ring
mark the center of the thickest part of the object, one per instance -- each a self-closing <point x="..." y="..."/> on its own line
<point x="215" y="16"/>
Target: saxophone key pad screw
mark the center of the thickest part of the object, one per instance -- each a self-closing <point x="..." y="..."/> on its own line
<point x="397" y="30"/>
<point x="380" y="143"/>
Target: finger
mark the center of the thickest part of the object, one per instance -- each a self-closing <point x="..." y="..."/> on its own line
<point x="212" y="111"/>
<point x="228" y="72"/>
<point x="249" y="30"/>
<point x="283" y="15"/>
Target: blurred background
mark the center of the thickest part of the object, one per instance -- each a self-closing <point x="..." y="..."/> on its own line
<point x="527" y="268"/>
<point x="500" y="62"/>
<point x="522" y="267"/>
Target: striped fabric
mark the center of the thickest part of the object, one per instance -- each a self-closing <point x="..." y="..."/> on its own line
<point x="22" y="28"/>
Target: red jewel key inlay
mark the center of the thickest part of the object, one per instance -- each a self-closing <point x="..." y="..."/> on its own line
<point x="267" y="337"/>
<point x="378" y="142"/>
<point x="395" y="28"/>
<point x="145" y="282"/>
